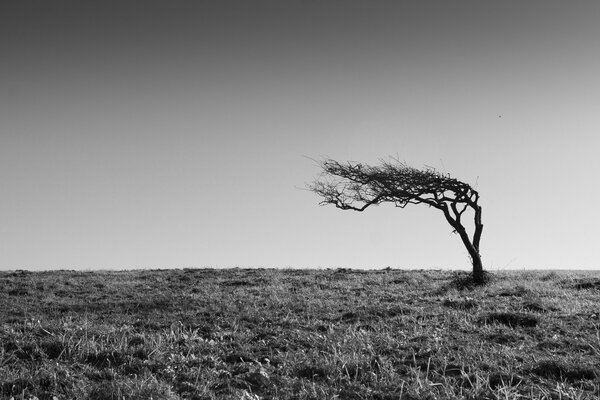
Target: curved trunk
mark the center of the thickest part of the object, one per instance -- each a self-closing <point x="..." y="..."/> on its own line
<point x="472" y="246"/>
<point x="473" y="252"/>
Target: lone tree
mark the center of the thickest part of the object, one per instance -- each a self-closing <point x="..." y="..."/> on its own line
<point x="356" y="186"/>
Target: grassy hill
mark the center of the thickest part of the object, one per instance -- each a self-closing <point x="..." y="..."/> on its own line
<point x="298" y="334"/>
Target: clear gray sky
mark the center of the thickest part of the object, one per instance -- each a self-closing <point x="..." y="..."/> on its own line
<point x="138" y="134"/>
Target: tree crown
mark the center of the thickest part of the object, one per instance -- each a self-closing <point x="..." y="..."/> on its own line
<point x="356" y="186"/>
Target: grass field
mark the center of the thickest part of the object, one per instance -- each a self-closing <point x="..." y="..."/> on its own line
<point x="298" y="334"/>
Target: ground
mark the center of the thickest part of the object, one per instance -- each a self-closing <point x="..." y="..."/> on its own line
<point x="298" y="334"/>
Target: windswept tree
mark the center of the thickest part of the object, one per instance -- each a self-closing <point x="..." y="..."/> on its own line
<point x="356" y="186"/>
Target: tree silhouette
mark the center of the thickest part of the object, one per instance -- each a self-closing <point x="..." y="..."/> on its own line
<point x="356" y="186"/>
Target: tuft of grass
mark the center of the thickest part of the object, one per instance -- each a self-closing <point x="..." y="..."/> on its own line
<point x="262" y="334"/>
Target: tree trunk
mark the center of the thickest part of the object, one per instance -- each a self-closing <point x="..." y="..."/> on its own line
<point x="477" y="269"/>
<point x="477" y="264"/>
<point x="472" y="246"/>
<point x="473" y="251"/>
<point x="475" y="258"/>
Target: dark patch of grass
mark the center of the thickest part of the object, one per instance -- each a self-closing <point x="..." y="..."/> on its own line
<point x="511" y="319"/>
<point x="18" y="292"/>
<point x="235" y="358"/>
<point x="237" y="283"/>
<point x="588" y="283"/>
<point x="497" y="379"/>
<point x="26" y="351"/>
<point x="54" y="348"/>
<point x="312" y="372"/>
<point x="503" y="338"/>
<point x="136" y="341"/>
<point x="537" y="306"/>
<point x="564" y="370"/>
<point x="107" y="359"/>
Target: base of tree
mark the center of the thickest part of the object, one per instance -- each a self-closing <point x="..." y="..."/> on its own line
<point x="487" y="278"/>
<point x="466" y="281"/>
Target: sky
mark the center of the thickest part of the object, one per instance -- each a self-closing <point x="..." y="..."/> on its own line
<point x="177" y="134"/>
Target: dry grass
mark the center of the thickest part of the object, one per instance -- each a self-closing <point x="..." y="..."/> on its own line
<point x="295" y="334"/>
